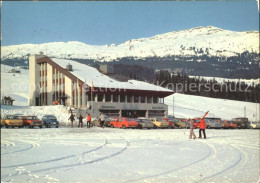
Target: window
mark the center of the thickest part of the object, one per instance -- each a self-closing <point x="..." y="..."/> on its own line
<point x="136" y="99"/>
<point x="122" y="98"/>
<point x="155" y="100"/>
<point x="115" y="98"/>
<point x="100" y="98"/>
<point x="108" y="98"/>
<point x="149" y="99"/>
<point x="142" y="99"/>
<point x="129" y="99"/>
<point x="161" y="100"/>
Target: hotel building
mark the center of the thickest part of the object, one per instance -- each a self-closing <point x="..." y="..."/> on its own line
<point x="82" y="87"/>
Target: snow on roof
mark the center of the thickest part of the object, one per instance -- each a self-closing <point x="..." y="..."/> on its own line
<point x="89" y="74"/>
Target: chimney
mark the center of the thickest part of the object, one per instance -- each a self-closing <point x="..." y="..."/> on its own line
<point x="41" y="53"/>
<point x="69" y="67"/>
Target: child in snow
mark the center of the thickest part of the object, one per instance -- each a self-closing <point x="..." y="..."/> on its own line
<point x="192" y="134"/>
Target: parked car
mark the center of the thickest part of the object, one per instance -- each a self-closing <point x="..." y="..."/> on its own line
<point x="213" y="124"/>
<point x="254" y="125"/>
<point x="228" y="124"/>
<point x="159" y="123"/>
<point x="123" y="123"/>
<point x="171" y="124"/>
<point x="241" y="122"/>
<point x="2" y="122"/>
<point x="50" y="121"/>
<point x="32" y="121"/>
<point x="13" y="121"/>
<point x="144" y="123"/>
<point x="181" y="123"/>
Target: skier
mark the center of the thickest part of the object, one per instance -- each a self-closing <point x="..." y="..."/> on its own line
<point x="80" y="121"/>
<point x="71" y="118"/>
<point x="102" y="120"/>
<point x="202" y="126"/>
<point x="192" y="134"/>
<point x="88" y="120"/>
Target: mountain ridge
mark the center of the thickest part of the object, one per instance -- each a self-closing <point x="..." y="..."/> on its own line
<point x="198" y="41"/>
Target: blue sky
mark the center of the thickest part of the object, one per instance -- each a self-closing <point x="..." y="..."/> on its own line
<point x="99" y="23"/>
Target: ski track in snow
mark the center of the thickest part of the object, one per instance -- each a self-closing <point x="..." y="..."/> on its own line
<point x="84" y="163"/>
<point x="58" y="159"/>
<point x="110" y="144"/>
<point x="210" y="153"/>
<point x="31" y="145"/>
<point x="241" y="158"/>
<point x="83" y="160"/>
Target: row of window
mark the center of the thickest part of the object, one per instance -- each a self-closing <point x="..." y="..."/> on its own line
<point x="43" y="98"/>
<point x="43" y="73"/>
<point x="57" y="94"/>
<point x="62" y="81"/>
<point x="43" y="83"/>
<point x="124" y="98"/>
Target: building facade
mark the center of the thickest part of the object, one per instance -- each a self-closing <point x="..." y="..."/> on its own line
<point x="82" y="87"/>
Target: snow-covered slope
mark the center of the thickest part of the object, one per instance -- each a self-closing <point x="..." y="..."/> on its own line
<point x="190" y="106"/>
<point x="196" y="41"/>
<point x="185" y="106"/>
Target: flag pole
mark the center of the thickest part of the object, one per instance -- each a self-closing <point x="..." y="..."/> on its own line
<point x="92" y="88"/>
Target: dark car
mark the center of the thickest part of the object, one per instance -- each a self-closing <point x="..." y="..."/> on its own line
<point x="50" y="121"/>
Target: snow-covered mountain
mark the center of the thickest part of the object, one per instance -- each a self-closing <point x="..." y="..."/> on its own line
<point x="192" y="42"/>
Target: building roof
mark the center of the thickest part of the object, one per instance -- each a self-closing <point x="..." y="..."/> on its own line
<point x="88" y="74"/>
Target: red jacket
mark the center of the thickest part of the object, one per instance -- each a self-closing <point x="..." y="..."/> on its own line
<point x="202" y="124"/>
<point x="88" y="118"/>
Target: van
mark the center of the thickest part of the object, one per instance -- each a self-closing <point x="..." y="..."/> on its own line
<point x="241" y="122"/>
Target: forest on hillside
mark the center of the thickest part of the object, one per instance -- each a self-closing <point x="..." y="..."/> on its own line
<point x="182" y="83"/>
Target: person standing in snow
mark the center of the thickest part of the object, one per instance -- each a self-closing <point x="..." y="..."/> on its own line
<point x="202" y="126"/>
<point x="80" y="121"/>
<point x="192" y="134"/>
<point x="88" y="120"/>
<point x="71" y="118"/>
<point x="102" y="120"/>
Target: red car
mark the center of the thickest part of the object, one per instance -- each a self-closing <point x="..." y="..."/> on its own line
<point x="171" y="123"/>
<point x="123" y="123"/>
<point x="31" y="121"/>
<point x="229" y="124"/>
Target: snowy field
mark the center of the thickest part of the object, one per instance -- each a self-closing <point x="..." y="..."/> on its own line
<point x="117" y="155"/>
